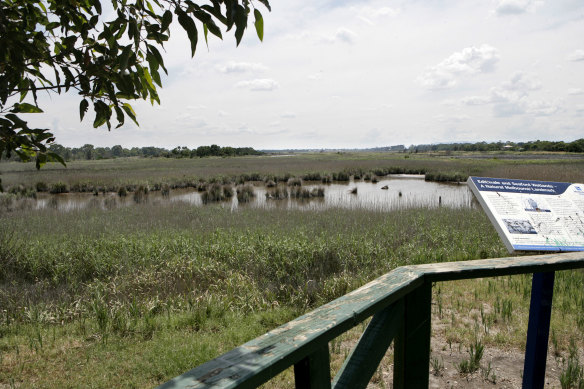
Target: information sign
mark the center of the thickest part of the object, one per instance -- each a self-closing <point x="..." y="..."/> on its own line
<point x="533" y="215"/>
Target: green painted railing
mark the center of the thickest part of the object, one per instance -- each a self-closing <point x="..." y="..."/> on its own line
<point x="400" y="303"/>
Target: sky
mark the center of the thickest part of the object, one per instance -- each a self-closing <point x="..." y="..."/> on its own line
<point x="359" y="74"/>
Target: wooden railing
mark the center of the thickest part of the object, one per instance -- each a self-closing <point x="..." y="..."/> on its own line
<point x="400" y="303"/>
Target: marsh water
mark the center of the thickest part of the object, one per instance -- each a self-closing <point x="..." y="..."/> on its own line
<point x="402" y="191"/>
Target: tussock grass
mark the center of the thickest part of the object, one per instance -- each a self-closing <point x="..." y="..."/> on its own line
<point x="245" y="193"/>
<point x="136" y="295"/>
<point x="85" y="176"/>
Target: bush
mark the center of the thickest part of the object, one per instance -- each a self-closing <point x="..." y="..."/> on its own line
<point x="312" y="177"/>
<point x="141" y="194"/>
<point x="42" y="186"/>
<point x="294" y="181"/>
<point x="165" y="190"/>
<point x="341" y="176"/>
<point x="59" y="187"/>
<point x="279" y="193"/>
<point x="214" y="193"/>
<point x="245" y="193"/>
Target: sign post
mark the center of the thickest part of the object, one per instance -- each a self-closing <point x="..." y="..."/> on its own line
<point x="534" y="216"/>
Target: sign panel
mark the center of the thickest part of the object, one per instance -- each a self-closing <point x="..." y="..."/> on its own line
<point x="533" y="215"/>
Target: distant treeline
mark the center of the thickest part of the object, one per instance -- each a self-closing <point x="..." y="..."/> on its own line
<point x="576" y="146"/>
<point x="89" y="152"/>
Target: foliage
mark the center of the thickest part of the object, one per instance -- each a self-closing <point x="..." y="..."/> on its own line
<point x="576" y="146"/>
<point x="108" y="56"/>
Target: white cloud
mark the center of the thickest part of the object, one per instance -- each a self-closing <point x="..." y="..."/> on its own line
<point x="575" y="91"/>
<point x="513" y="98"/>
<point x="522" y="82"/>
<point x="469" y="61"/>
<point x="315" y="76"/>
<point x="241" y="67"/>
<point x="451" y="118"/>
<point x="288" y="115"/>
<point x="260" y="84"/>
<point x="345" y="35"/>
<point x="543" y="108"/>
<point x="516" y="7"/>
<point x="576" y="56"/>
<point x="342" y="35"/>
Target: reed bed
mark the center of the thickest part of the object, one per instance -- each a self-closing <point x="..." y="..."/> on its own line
<point x="111" y="175"/>
<point x="136" y="295"/>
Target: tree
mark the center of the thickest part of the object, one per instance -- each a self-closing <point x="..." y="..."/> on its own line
<point x="60" y="45"/>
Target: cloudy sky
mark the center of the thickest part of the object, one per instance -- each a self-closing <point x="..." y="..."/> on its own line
<point x="342" y="74"/>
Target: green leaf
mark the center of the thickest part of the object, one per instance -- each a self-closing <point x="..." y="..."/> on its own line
<point x="206" y="32"/>
<point x="124" y="57"/>
<point x="130" y="112"/>
<point x="259" y="24"/>
<point x="56" y="158"/>
<point x="52" y="26"/>
<point x="267" y="4"/>
<point x="25" y="108"/>
<point x="189" y="26"/>
<point x="83" y="106"/>
<point x="240" y="19"/>
<point x="166" y="20"/>
<point x="119" y="116"/>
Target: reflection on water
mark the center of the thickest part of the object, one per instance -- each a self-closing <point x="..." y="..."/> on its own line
<point x="402" y="191"/>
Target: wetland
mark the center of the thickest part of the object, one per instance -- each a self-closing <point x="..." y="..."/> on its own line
<point x="135" y="295"/>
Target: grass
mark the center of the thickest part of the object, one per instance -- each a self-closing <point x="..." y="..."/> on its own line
<point x="110" y="175"/>
<point x="184" y="284"/>
<point x="136" y="295"/>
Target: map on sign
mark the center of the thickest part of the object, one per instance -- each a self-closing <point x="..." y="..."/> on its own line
<point x="533" y="215"/>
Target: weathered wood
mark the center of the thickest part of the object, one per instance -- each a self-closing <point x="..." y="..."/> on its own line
<point x="411" y="355"/>
<point x="538" y="330"/>
<point x="362" y="363"/>
<point x="260" y="359"/>
<point x="314" y="371"/>
<point x="449" y="271"/>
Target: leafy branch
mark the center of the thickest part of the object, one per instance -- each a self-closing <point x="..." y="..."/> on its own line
<point x="55" y="46"/>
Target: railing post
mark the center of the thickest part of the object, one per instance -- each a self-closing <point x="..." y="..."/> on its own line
<point x="363" y="361"/>
<point x="314" y="371"/>
<point x="412" y="345"/>
<point x="538" y="329"/>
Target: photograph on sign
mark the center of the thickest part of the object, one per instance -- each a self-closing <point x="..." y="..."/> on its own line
<point x="533" y="215"/>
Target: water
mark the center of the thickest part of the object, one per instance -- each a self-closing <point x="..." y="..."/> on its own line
<point x="415" y="192"/>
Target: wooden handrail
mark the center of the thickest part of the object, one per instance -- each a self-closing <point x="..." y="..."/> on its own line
<point x="400" y="303"/>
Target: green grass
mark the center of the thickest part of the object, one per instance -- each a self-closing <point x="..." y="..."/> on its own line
<point x="112" y="174"/>
<point x="136" y="295"/>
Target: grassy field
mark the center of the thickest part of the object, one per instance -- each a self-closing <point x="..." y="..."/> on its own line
<point x="133" y="296"/>
<point x="113" y="173"/>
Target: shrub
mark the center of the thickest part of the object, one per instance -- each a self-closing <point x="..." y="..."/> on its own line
<point x="165" y="190"/>
<point x="312" y="177"/>
<point x="294" y="181"/>
<point x="122" y="191"/>
<point x="59" y="187"/>
<point x="341" y="176"/>
<point x="227" y="191"/>
<point x="141" y="194"/>
<point x="202" y="186"/>
<point x="42" y="186"/>
<point x="214" y="193"/>
<point x="279" y="193"/>
<point x="245" y="193"/>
